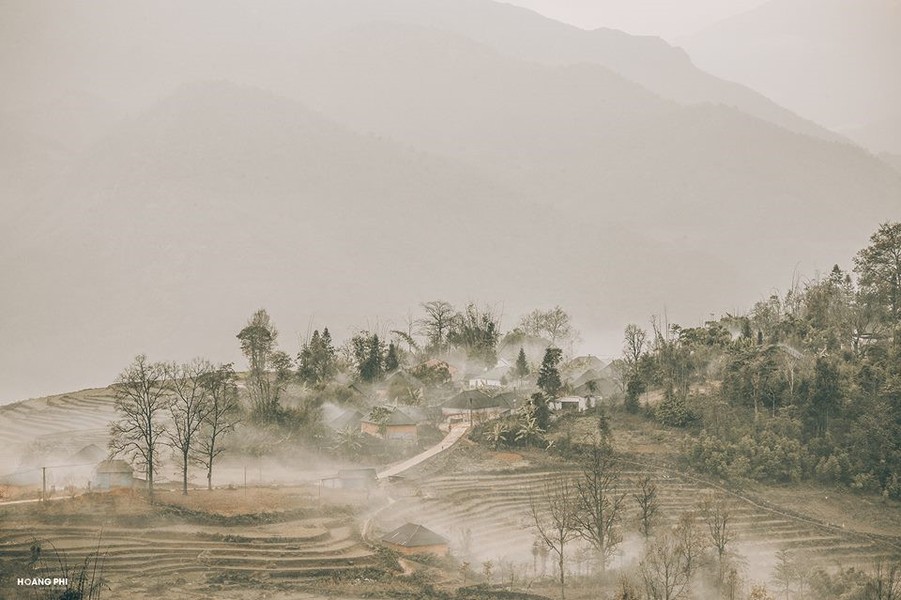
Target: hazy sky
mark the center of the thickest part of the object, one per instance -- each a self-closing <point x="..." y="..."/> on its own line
<point x="664" y="18"/>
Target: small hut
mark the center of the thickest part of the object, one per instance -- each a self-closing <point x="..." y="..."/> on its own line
<point x="357" y="479"/>
<point x="412" y="538"/>
<point x="113" y="474"/>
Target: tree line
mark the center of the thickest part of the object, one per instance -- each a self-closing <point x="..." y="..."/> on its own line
<point x="189" y="408"/>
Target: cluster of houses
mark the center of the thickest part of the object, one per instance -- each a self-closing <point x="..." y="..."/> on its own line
<point x="468" y="401"/>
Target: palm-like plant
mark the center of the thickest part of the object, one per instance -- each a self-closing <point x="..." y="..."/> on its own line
<point x="497" y="435"/>
<point x="349" y="441"/>
<point x="529" y="431"/>
<point x="414" y="396"/>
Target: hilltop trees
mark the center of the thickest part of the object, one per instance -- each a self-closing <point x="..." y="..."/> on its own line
<point x="805" y="385"/>
<point x="477" y="332"/>
<point x="879" y="268"/>
<point x="369" y="356"/>
<point x="437" y="324"/>
<point x="269" y="369"/>
<point x="316" y="361"/>
<point x="141" y="402"/>
<point x="554" y="325"/>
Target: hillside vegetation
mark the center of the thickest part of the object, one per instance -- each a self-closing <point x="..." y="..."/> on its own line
<point x="807" y="385"/>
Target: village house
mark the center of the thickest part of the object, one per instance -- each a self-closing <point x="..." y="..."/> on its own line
<point x="352" y="479"/>
<point x="572" y="403"/>
<point x="397" y="425"/>
<point x="346" y="419"/>
<point x="494" y="378"/>
<point x="113" y="474"/>
<point x="475" y="406"/>
<point x="412" y="538"/>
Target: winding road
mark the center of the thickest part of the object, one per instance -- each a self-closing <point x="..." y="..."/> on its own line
<point x="449" y="440"/>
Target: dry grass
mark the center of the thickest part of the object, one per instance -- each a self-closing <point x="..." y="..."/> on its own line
<point x="232" y="502"/>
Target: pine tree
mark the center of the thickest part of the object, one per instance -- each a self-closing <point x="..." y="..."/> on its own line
<point x="370" y="356"/>
<point x="548" y="374"/>
<point x="522" y="365"/>
<point x="316" y="360"/>
<point x="391" y="360"/>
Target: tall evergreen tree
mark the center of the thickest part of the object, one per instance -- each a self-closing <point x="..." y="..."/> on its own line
<point x="392" y="362"/>
<point x="522" y="365"/>
<point x="369" y="354"/>
<point x="879" y="267"/>
<point x="316" y="360"/>
<point x="549" y="374"/>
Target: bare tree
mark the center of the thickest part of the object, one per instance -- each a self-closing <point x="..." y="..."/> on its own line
<point x="634" y="346"/>
<point x="437" y="324"/>
<point x="554" y="325"/>
<point x="717" y="515"/>
<point x="885" y="583"/>
<point x="785" y="572"/>
<point x="692" y="544"/>
<point x="223" y="414"/>
<point x="599" y="503"/>
<point x="555" y="520"/>
<point x="188" y="409"/>
<point x="665" y="571"/>
<point x="141" y="400"/>
<point x="648" y="505"/>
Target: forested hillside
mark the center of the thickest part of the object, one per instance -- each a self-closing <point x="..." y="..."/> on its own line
<point x="806" y="385"/>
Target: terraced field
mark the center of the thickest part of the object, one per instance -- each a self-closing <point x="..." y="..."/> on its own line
<point x="295" y="549"/>
<point x="494" y="507"/>
<point x="61" y="425"/>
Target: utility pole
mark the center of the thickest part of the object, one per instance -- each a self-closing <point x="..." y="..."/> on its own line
<point x="43" y="484"/>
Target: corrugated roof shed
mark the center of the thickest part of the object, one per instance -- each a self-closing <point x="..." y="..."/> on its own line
<point x="413" y="535"/>
<point x="396" y="417"/>
<point x="114" y="466"/>
<point x="477" y="399"/>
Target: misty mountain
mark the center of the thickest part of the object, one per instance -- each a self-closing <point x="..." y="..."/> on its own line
<point x="892" y="159"/>
<point x="580" y="134"/>
<point x="131" y="55"/>
<point x="342" y="167"/>
<point x="221" y="198"/>
<point x="832" y="61"/>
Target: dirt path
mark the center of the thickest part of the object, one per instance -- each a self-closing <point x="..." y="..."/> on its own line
<point x="449" y="440"/>
<point x="455" y="434"/>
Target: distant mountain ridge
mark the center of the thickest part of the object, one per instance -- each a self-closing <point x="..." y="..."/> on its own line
<point x="832" y="61"/>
